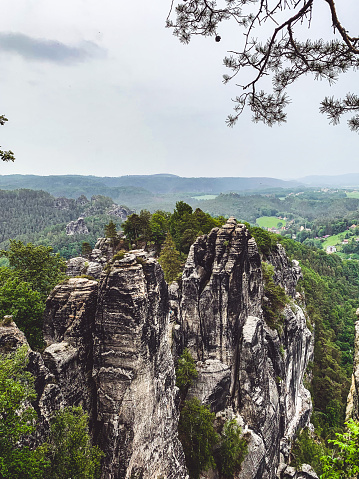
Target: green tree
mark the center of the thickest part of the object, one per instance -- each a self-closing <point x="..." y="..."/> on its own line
<point x="186" y="370"/>
<point x="17" y="420"/>
<point x="233" y="449"/>
<point x="110" y="230"/>
<point x="170" y="260"/>
<point x="344" y="463"/>
<point x="36" y="265"/>
<point x="70" y="451"/>
<point x="279" y="54"/>
<point x="198" y="437"/>
<point x="159" y="226"/>
<point x="132" y="227"/>
<point x="17" y="298"/>
<point x="86" y="249"/>
<point x="111" y="233"/>
<point x="5" y="155"/>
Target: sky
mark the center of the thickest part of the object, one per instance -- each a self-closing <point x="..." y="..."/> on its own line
<point x="103" y="88"/>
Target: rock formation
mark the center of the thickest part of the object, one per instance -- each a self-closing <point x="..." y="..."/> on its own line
<point x="94" y="264"/>
<point x="120" y="211"/>
<point x="109" y="351"/>
<point x="246" y="369"/>
<point x="77" y="227"/>
<point x="111" y="343"/>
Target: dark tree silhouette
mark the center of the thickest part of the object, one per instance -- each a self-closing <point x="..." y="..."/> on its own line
<point x="282" y="57"/>
<point x="5" y="155"/>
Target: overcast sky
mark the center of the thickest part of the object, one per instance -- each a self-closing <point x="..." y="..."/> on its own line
<point x="103" y="88"/>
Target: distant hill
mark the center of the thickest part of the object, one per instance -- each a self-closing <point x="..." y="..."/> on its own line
<point x="120" y="188"/>
<point x="349" y="180"/>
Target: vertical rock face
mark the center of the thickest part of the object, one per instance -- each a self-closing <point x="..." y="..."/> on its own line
<point x="246" y="369"/>
<point x="68" y="331"/>
<point x="109" y="348"/>
<point x="134" y="374"/>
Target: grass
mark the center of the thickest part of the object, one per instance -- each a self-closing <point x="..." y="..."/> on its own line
<point x="269" y="221"/>
<point x="333" y="240"/>
<point x="353" y="194"/>
<point x="204" y="197"/>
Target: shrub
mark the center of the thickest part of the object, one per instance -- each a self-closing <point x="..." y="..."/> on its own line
<point x="140" y="260"/>
<point x="266" y="241"/>
<point x="308" y="449"/>
<point x="118" y="256"/>
<point x="86" y="276"/>
<point x="70" y="449"/>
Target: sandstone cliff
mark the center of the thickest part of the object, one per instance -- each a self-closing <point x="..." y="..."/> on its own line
<point x="111" y="343"/>
<point x="246" y="369"/>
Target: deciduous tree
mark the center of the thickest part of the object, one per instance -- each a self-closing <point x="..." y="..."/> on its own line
<point x="17" y="420"/>
<point x="36" y="265"/>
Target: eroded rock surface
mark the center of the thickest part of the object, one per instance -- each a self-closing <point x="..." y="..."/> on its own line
<point x="109" y="349"/>
<point x="245" y="366"/>
<point x="111" y="344"/>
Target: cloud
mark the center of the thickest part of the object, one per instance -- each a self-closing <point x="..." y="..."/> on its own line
<point x="41" y="49"/>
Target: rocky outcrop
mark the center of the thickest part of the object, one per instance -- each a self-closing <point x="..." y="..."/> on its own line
<point x="97" y="260"/>
<point x="64" y="203"/>
<point x="111" y="345"/>
<point x="121" y="212"/>
<point x="109" y="350"/>
<point x="306" y="472"/>
<point x="77" y="227"/>
<point x="134" y="373"/>
<point x="245" y="368"/>
<point x="82" y="201"/>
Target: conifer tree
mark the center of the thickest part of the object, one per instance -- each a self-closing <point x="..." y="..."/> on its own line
<point x="110" y="230"/>
<point x="170" y="260"/>
<point x="86" y="249"/>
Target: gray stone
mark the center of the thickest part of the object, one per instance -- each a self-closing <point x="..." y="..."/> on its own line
<point x="77" y="227"/>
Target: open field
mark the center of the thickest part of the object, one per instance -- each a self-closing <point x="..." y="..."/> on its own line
<point x="333" y="240"/>
<point x="269" y="221"/>
<point x="352" y="194"/>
